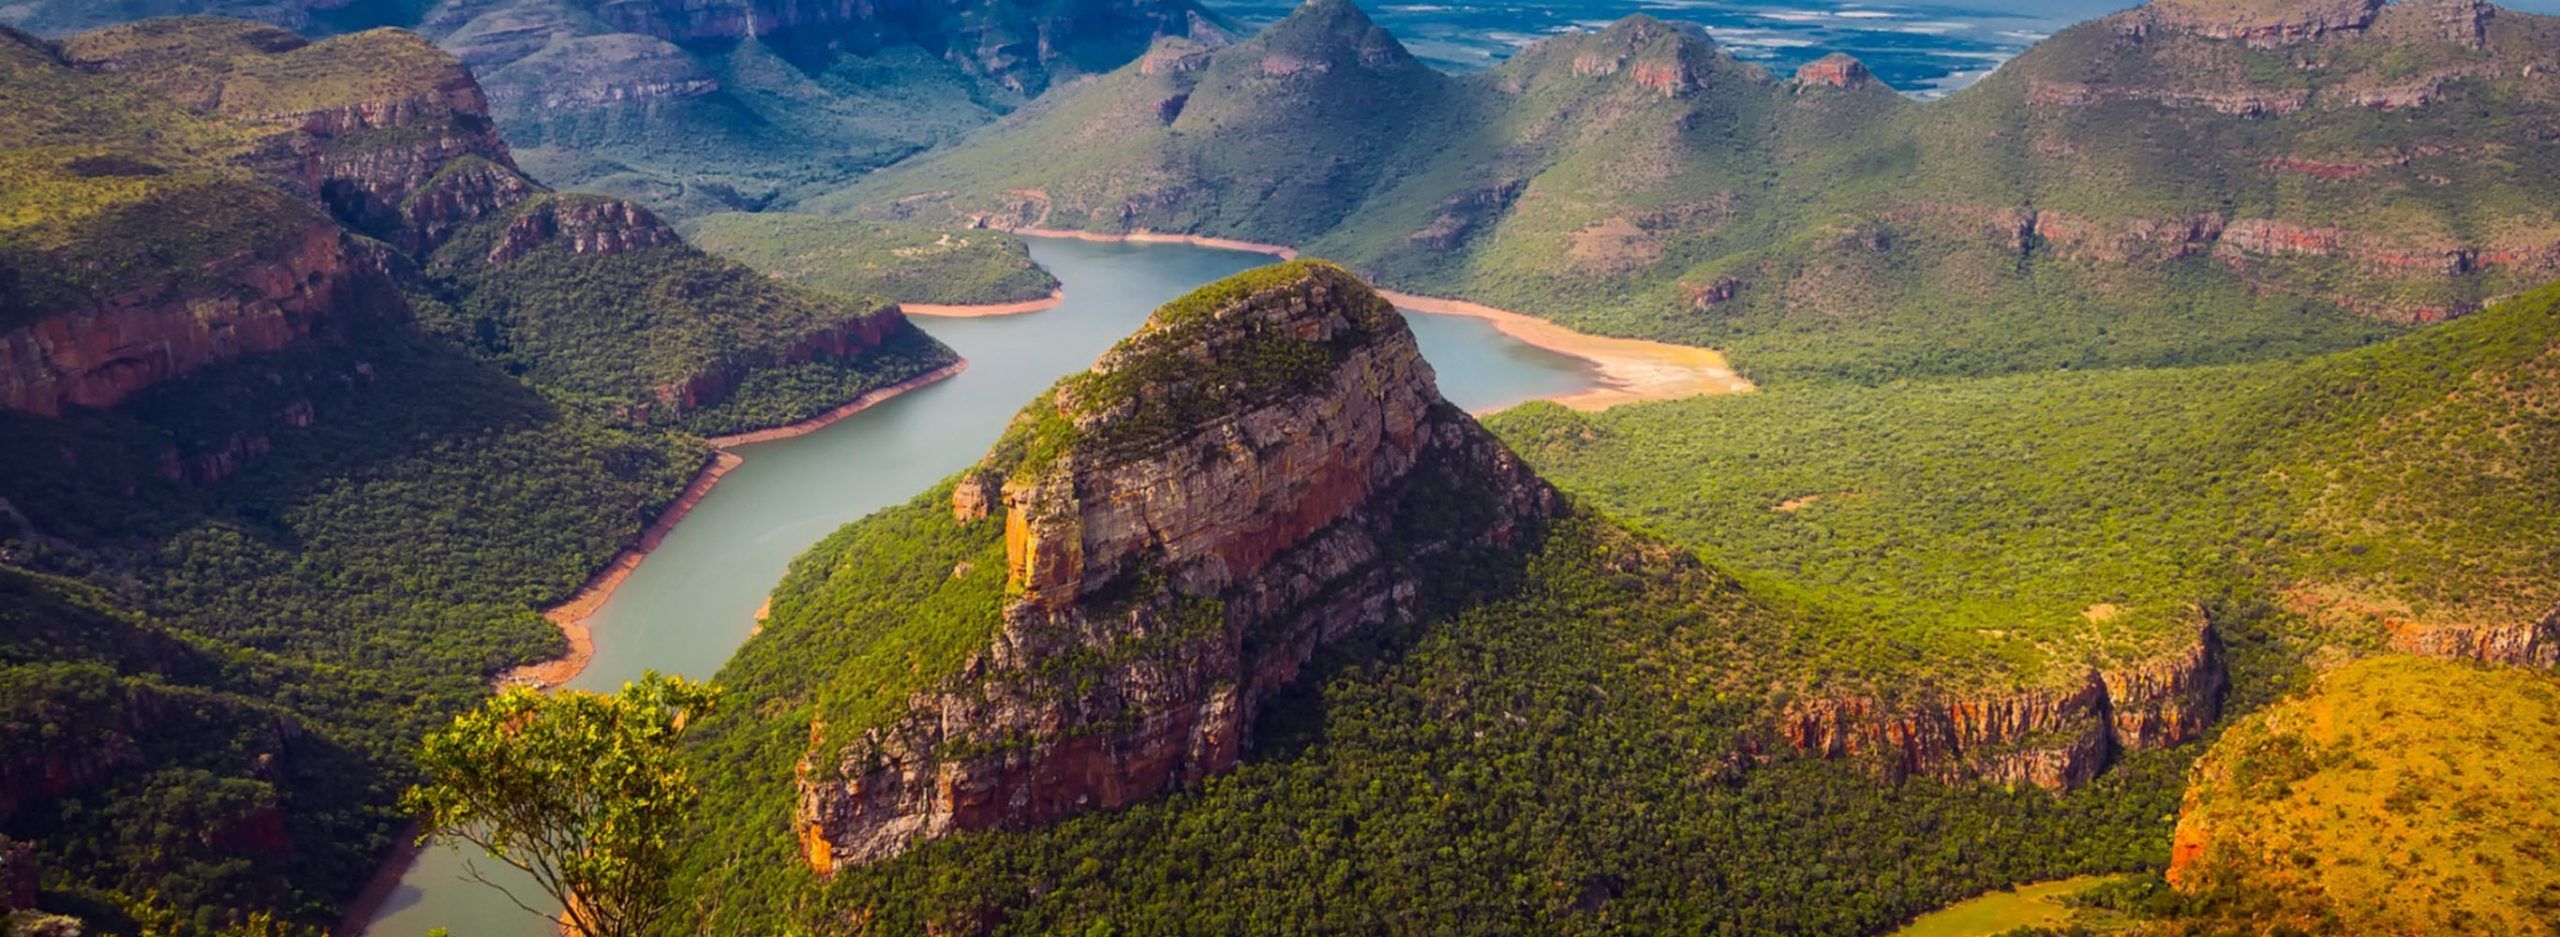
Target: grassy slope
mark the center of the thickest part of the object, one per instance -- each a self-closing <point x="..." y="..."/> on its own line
<point x="1856" y="224"/>
<point x="105" y="187"/>
<point x="2401" y="795"/>
<point x="616" y="328"/>
<point x="2002" y="525"/>
<point x="1547" y="761"/>
<point x="856" y="260"/>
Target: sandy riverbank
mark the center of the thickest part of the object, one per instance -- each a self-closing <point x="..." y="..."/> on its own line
<point x="572" y="615"/>
<point x="945" y="311"/>
<point x="1631" y="370"/>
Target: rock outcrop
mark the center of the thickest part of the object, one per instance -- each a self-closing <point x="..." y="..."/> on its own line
<point x="2056" y="738"/>
<point x="1251" y="477"/>
<point x="1837" y="70"/>
<point x="2533" y="643"/>
<point x="266" y="300"/>
<point x="586" y="224"/>
<point x="2265" y="24"/>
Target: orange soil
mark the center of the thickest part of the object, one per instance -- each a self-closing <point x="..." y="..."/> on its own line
<point x="572" y="615"/>
<point x="987" y="309"/>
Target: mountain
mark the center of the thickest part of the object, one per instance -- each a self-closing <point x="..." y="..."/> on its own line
<point x="312" y="400"/>
<point x="1892" y="646"/>
<point x="853" y="258"/>
<point x="1247" y="609"/>
<point x="694" y="107"/>
<point x="2176" y="184"/>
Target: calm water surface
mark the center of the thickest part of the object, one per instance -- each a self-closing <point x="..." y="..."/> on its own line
<point x="691" y="605"/>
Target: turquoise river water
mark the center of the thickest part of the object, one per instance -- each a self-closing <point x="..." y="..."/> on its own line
<point x="694" y="600"/>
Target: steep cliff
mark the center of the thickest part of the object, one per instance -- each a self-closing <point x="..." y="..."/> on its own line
<point x="366" y="122"/>
<point x="1250" y="478"/>
<point x="2056" y="738"/>
<point x="391" y="138"/>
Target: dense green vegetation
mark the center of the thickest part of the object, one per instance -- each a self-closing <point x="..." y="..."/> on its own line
<point x="668" y="334"/>
<point x="235" y="601"/>
<point x="2000" y="525"/>
<point x="583" y="792"/>
<point x="329" y="599"/>
<point x="859" y="260"/>
<point x="2086" y="206"/>
<point x="1548" y="762"/>
<point x="1569" y="746"/>
<point x="104" y="186"/>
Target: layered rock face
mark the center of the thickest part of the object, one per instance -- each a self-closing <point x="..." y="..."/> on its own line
<point x="2533" y="643"/>
<point x="1248" y="479"/>
<point x="1836" y="70"/>
<point x="366" y="156"/>
<point x="587" y="225"/>
<point x="2264" y="24"/>
<point x="98" y="356"/>
<point x="2055" y="738"/>
<point x="409" y="167"/>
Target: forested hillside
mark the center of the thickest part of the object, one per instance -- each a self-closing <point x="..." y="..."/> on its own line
<point x="313" y="401"/>
<point x="695" y="108"/>
<point x="2148" y="189"/>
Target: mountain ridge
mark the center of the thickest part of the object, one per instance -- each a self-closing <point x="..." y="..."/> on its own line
<point x="2124" y="194"/>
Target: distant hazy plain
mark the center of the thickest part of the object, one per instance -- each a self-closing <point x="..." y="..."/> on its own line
<point x="1926" y="49"/>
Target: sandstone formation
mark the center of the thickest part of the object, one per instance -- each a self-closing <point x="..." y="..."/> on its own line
<point x="2055" y="738"/>
<point x="2264" y="24"/>
<point x="1184" y="527"/>
<point x="586" y="225"/>
<point x="103" y="354"/>
<point x="2534" y="643"/>
<point x="1837" y="70"/>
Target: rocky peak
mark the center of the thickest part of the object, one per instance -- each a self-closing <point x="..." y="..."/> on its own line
<point x="1227" y="491"/>
<point x="1323" y="36"/>
<point x="2262" y="23"/>
<point x="1669" y="59"/>
<point x="1837" y="70"/>
<point x="586" y="224"/>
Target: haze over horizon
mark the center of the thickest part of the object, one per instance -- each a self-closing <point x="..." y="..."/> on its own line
<point x="1924" y="49"/>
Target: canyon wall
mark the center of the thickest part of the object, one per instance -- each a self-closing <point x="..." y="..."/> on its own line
<point x="1166" y="579"/>
<point x="2057" y="738"/>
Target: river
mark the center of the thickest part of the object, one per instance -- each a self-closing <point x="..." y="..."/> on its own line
<point x="690" y="605"/>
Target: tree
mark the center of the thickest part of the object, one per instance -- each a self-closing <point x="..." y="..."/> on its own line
<point x="583" y="791"/>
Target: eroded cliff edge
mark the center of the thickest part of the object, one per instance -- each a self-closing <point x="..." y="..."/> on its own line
<point x="1254" y="475"/>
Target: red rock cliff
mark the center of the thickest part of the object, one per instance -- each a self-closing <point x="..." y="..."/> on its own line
<point x="264" y="300"/>
<point x="2056" y="738"/>
<point x="1183" y="574"/>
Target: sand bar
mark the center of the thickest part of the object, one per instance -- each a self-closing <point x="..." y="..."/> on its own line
<point x="1631" y="370"/>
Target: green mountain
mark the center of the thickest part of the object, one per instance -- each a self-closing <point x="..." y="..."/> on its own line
<point x="311" y="400"/>
<point x="1060" y="693"/>
<point x="855" y="259"/>
<point x="703" y="107"/>
<point x="2158" y="187"/>
<point x="1248" y="611"/>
